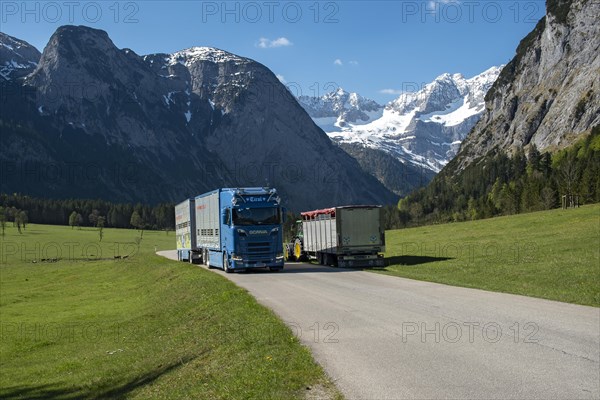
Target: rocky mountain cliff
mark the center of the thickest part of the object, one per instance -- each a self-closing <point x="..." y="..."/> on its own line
<point x="549" y="94"/>
<point x="421" y="129"/>
<point x="92" y="120"/>
<point x="399" y="177"/>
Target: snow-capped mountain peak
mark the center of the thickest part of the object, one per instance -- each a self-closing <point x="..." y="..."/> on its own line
<point x="194" y="54"/>
<point x="424" y="127"/>
<point x="339" y="108"/>
<point x="17" y="57"/>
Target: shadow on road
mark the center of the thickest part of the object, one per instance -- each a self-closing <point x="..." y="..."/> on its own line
<point x="301" y="268"/>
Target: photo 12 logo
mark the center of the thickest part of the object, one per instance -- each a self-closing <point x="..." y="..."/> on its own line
<point x="468" y="332"/>
<point x="457" y="11"/>
<point x="253" y="12"/>
<point x="53" y="251"/>
<point x="69" y="12"/>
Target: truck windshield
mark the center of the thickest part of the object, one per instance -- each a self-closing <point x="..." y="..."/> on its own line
<point x="256" y="216"/>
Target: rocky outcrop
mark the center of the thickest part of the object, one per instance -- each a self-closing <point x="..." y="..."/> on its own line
<point x="549" y="94"/>
<point x="180" y="124"/>
<point x="401" y="178"/>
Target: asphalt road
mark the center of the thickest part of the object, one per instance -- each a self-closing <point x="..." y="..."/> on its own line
<point x="383" y="337"/>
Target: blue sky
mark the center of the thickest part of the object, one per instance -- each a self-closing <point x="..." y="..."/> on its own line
<point x="376" y="48"/>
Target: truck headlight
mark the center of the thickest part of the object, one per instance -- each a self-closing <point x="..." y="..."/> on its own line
<point x="279" y="256"/>
<point x="235" y="257"/>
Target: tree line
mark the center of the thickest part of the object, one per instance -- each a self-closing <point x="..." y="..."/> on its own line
<point x="22" y="209"/>
<point x="494" y="185"/>
<point x="501" y="185"/>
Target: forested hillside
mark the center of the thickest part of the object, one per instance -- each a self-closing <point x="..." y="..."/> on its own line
<point x="500" y="185"/>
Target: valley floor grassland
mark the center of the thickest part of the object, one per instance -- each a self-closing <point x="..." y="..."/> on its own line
<point x="550" y="254"/>
<point x="94" y="326"/>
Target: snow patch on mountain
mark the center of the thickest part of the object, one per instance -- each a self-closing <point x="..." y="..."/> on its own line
<point x="192" y="55"/>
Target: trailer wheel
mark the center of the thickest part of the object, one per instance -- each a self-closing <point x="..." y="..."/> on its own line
<point x="330" y="260"/>
<point x="226" y="263"/>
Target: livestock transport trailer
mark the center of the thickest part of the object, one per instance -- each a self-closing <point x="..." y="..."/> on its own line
<point x="185" y="226"/>
<point x="236" y="229"/>
<point x="349" y="236"/>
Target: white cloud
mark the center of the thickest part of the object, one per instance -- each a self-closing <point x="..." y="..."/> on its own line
<point x="337" y="61"/>
<point x="391" y="91"/>
<point x="281" y="78"/>
<point x="353" y="62"/>
<point x="265" y="43"/>
<point x="281" y="42"/>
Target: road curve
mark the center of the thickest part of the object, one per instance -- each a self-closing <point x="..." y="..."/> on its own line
<point x="383" y="337"/>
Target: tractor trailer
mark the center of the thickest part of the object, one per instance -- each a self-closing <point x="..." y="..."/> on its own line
<point x="349" y="236"/>
<point x="232" y="229"/>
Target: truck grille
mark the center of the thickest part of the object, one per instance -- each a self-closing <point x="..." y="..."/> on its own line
<point x="259" y="251"/>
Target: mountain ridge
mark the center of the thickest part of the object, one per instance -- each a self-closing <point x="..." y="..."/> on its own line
<point x="185" y="123"/>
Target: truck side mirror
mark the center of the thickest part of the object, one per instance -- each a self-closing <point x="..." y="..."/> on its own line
<point x="283" y="214"/>
<point x="227" y="216"/>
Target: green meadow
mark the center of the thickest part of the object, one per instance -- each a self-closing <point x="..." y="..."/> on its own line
<point x="550" y="254"/>
<point x="81" y="318"/>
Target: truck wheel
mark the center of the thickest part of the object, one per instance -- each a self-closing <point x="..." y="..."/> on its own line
<point x="226" y="263"/>
<point x="206" y="259"/>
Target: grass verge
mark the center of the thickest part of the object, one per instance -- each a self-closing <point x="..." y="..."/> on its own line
<point x="550" y="254"/>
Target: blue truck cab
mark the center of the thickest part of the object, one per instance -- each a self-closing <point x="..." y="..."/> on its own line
<point x="236" y="229"/>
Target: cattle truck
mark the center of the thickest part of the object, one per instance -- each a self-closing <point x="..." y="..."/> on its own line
<point x="237" y="229"/>
<point x="348" y="236"/>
